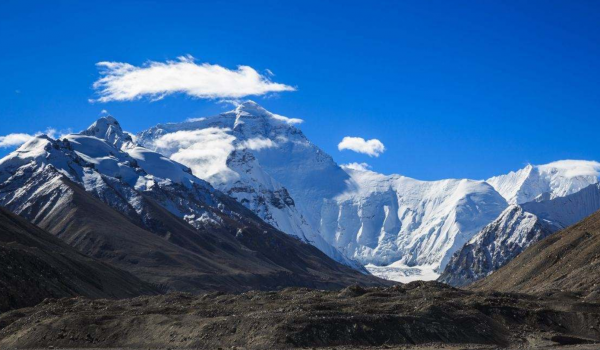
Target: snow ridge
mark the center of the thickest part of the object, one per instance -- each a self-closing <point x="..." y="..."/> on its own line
<point x="558" y="179"/>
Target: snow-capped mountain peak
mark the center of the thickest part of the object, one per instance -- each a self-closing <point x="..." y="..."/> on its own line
<point x="252" y="110"/>
<point x="368" y="217"/>
<point x="108" y="129"/>
<point x="399" y="227"/>
<point x="556" y="179"/>
<point x="247" y="153"/>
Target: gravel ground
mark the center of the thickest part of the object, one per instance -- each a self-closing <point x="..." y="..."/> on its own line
<point x="419" y="315"/>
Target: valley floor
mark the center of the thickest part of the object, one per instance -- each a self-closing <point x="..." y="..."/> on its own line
<point x="418" y="315"/>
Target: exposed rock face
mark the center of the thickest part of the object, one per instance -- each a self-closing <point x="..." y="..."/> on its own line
<point x="567" y="262"/>
<point x="497" y="244"/>
<point x="515" y="229"/>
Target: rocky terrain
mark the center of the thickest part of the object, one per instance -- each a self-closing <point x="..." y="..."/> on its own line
<point x="497" y="244"/>
<point x="567" y="262"/>
<point x="517" y="228"/>
<point x="34" y="265"/>
<point x="419" y="313"/>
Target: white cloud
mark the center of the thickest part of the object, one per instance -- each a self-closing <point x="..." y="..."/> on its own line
<point x="125" y="82"/>
<point x="17" y="139"/>
<point x="357" y="166"/>
<point x="205" y="151"/>
<point x="290" y="121"/>
<point x="12" y="140"/>
<point x="190" y="120"/>
<point x="572" y="168"/>
<point x="256" y="144"/>
<point x="372" y="148"/>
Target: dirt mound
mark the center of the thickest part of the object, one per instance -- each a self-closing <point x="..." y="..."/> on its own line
<point x="417" y="313"/>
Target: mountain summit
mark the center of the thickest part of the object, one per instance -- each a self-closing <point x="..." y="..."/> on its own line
<point x="108" y="129"/>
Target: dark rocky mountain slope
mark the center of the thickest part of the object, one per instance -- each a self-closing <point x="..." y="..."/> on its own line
<point x="566" y="262"/>
<point x="496" y="245"/>
<point x="239" y="255"/>
<point x="35" y="265"/>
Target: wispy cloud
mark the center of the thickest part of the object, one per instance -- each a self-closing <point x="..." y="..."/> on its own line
<point x="372" y="148"/>
<point x="290" y="121"/>
<point x="357" y="166"/>
<point x="17" y="139"/>
<point x="256" y="144"/>
<point x="13" y="140"/>
<point x="205" y="151"/>
<point x="155" y="80"/>
<point x="572" y="168"/>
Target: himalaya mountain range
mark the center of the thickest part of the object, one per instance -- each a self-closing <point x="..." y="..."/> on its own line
<point x="392" y="226"/>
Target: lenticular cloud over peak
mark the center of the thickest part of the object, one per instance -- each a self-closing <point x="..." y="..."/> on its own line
<point x="125" y="82"/>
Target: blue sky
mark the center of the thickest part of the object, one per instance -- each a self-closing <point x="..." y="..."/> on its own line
<point x="451" y="88"/>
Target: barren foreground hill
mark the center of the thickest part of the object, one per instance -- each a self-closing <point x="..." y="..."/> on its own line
<point x="426" y="314"/>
